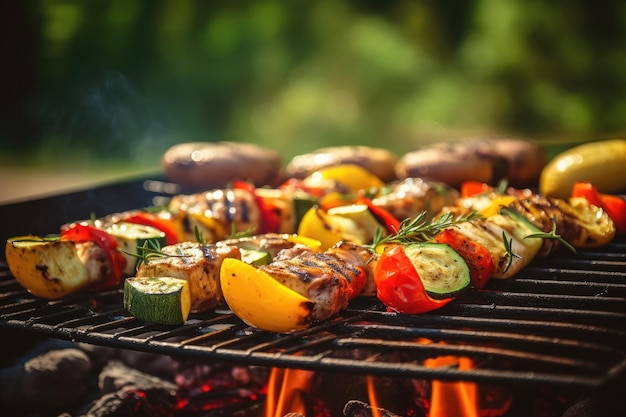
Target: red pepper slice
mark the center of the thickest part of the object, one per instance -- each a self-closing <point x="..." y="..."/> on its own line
<point x="588" y="191"/>
<point x="270" y="217"/>
<point x="472" y="188"/>
<point x="81" y="233"/>
<point x="399" y="286"/>
<point x="613" y="205"/>
<point x="151" y="219"/>
<point x="477" y="257"/>
<point x="391" y="223"/>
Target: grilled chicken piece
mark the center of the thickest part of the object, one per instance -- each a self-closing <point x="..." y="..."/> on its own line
<point x="217" y="213"/>
<point x="361" y="257"/>
<point x="199" y="264"/>
<point x="325" y="278"/>
<point x="410" y="197"/>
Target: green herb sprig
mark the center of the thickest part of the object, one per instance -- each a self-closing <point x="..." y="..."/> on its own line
<point x="552" y="235"/>
<point x="418" y="229"/>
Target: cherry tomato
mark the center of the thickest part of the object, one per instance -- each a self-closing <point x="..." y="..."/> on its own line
<point x="477" y="257"/>
<point x="399" y="286"/>
<point x="81" y="233"/>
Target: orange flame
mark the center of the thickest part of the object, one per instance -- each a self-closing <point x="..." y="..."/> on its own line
<point x="371" y="395"/>
<point x="453" y="399"/>
<point x="285" y="391"/>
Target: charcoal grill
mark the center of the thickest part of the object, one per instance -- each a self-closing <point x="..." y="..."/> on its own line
<point x="560" y="322"/>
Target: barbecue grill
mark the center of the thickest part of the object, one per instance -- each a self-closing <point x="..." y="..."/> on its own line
<point x="560" y="322"/>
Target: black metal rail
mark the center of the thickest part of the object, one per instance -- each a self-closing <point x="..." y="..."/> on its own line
<point x="561" y="322"/>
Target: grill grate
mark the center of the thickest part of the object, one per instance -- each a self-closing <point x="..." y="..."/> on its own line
<point x="559" y="322"/>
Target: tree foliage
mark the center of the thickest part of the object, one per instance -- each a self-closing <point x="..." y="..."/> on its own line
<point x="129" y="78"/>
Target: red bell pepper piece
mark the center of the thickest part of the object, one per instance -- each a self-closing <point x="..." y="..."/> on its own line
<point x="613" y="205"/>
<point x="81" y="233"/>
<point x="399" y="286"/>
<point x="151" y="219"/>
<point x="477" y="257"/>
<point x="270" y="217"/>
<point x="472" y="188"/>
<point x="391" y="223"/>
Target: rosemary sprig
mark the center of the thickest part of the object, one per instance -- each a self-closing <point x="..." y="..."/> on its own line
<point x="234" y="234"/>
<point x="552" y="235"/>
<point x="150" y="249"/>
<point x="417" y="229"/>
<point x="198" y="235"/>
<point x="508" y="247"/>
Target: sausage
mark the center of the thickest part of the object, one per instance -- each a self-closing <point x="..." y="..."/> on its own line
<point x="488" y="160"/>
<point x="208" y="165"/>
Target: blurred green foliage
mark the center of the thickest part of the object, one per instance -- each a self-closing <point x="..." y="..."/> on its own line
<point x="125" y="79"/>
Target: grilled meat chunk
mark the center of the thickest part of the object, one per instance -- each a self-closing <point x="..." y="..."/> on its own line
<point x="325" y="278"/>
<point x="408" y="198"/>
<point x="217" y="213"/>
<point x="198" y="263"/>
<point x="361" y="257"/>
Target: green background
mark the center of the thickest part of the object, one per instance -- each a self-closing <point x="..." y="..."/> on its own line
<point x="117" y="82"/>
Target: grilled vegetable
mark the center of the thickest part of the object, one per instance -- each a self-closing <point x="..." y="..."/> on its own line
<point x="82" y="257"/>
<point x="255" y="257"/>
<point x="261" y="301"/>
<point x="107" y="264"/>
<point x="132" y="236"/>
<point x="400" y="286"/>
<point x="613" y="205"/>
<point x="163" y="300"/>
<point x="477" y="257"/>
<point x="600" y="162"/>
<point x="345" y="178"/>
<point x="47" y="269"/>
<point x="354" y="223"/>
<point x="441" y="269"/>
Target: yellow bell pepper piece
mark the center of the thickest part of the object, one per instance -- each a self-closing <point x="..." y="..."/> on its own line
<point x="261" y="301"/>
<point x="352" y="176"/>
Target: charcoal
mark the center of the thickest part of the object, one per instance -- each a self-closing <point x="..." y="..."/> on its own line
<point x="360" y="409"/>
<point x="130" y="401"/>
<point x="116" y="375"/>
<point x="47" y="381"/>
<point x="127" y="391"/>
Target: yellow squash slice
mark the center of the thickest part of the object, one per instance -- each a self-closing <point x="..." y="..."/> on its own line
<point x="47" y="269"/>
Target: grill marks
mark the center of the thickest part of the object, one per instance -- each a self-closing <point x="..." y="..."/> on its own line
<point x="197" y="263"/>
<point x="325" y="278"/>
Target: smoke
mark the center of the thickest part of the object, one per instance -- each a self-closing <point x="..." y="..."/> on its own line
<point x="107" y="119"/>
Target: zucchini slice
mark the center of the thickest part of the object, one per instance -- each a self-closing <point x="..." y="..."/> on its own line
<point x="443" y="271"/>
<point x="162" y="300"/>
<point x="130" y="237"/>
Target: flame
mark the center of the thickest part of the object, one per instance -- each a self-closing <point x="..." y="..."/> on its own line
<point x="453" y="399"/>
<point x="285" y="391"/>
<point x="371" y="395"/>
